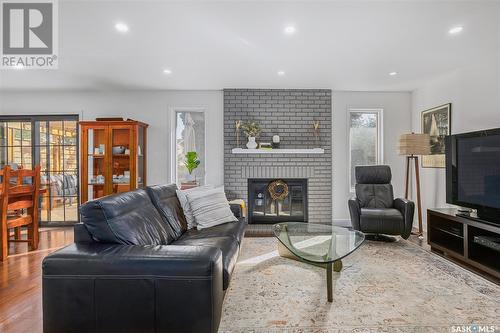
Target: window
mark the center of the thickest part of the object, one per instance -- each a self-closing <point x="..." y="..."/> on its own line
<point x="365" y="139"/>
<point x="189" y="136"/>
<point x="52" y="142"/>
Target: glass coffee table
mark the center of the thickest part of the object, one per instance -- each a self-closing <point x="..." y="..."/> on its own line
<point x="317" y="244"/>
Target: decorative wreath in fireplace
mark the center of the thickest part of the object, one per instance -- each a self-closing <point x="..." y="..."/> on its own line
<point x="278" y="189"/>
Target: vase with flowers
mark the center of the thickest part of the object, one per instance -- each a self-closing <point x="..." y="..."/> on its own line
<point x="252" y="130"/>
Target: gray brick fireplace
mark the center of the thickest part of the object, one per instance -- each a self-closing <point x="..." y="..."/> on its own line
<point x="289" y="113"/>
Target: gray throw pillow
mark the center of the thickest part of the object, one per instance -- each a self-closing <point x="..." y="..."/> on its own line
<point x="182" y="196"/>
<point x="210" y="208"/>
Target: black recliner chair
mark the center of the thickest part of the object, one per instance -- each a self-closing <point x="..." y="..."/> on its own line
<point x="374" y="209"/>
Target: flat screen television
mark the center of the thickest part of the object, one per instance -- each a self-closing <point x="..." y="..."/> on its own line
<point x="473" y="172"/>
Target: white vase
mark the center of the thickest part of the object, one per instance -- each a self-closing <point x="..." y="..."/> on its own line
<point x="251" y="144"/>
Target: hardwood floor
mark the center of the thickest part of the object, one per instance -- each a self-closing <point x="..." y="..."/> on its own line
<point x="21" y="282"/>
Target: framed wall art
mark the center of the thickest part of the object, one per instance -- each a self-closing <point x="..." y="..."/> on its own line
<point x="437" y="123"/>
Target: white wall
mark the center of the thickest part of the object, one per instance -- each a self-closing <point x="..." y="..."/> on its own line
<point x="474" y="92"/>
<point x="152" y="107"/>
<point x="396" y="121"/>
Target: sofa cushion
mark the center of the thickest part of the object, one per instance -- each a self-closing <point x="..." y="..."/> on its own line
<point x="229" y="247"/>
<point x="230" y="229"/>
<point x="126" y="218"/>
<point x="381" y="221"/>
<point x="165" y="199"/>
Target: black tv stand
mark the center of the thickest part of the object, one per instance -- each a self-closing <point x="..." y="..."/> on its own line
<point x="475" y="243"/>
<point x="465" y="215"/>
<point x="474" y="217"/>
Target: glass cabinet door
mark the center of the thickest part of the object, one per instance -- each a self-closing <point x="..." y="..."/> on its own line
<point x="121" y="159"/>
<point x="97" y="177"/>
<point x="141" y="172"/>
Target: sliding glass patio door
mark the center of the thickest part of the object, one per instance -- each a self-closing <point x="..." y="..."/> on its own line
<point x="52" y="142"/>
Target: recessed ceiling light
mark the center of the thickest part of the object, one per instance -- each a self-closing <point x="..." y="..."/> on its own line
<point x="121" y="27"/>
<point x="456" y="30"/>
<point x="289" y="30"/>
<point x="167" y="71"/>
<point x="393" y="73"/>
<point x="281" y="73"/>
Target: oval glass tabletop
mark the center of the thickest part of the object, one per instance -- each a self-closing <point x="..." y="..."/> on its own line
<point x="318" y="243"/>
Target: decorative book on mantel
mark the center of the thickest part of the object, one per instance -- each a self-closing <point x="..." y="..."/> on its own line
<point x="278" y="151"/>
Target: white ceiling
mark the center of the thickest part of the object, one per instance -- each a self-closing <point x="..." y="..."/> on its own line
<point x="344" y="45"/>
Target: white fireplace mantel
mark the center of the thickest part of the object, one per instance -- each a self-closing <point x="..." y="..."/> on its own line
<point x="278" y="151"/>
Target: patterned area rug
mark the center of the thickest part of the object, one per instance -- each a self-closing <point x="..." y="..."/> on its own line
<point x="259" y="230"/>
<point x="383" y="287"/>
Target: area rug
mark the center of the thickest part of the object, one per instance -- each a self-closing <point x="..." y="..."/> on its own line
<point x="383" y="287"/>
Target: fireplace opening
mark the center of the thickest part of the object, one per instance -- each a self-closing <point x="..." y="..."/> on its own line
<point x="277" y="200"/>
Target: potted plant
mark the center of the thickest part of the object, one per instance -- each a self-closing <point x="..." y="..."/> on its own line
<point x="191" y="163"/>
<point x="251" y="130"/>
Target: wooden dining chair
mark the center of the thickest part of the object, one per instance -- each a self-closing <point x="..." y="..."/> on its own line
<point x="17" y="181"/>
<point x="19" y="207"/>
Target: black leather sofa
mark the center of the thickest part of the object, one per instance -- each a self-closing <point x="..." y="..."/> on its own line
<point x="135" y="268"/>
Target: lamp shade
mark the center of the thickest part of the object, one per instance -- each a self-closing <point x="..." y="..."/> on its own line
<point x="414" y="144"/>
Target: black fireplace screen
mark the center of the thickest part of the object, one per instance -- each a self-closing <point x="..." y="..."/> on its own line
<point x="262" y="208"/>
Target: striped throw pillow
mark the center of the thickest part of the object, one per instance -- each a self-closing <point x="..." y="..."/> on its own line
<point x="182" y="196"/>
<point x="210" y="208"/>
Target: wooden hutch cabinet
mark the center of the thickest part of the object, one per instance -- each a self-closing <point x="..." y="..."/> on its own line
<point x="113" y="157"/>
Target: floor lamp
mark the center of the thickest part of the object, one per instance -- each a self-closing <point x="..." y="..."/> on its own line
<point x="412" y="145"/>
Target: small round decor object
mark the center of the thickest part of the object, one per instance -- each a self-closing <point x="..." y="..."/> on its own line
<point x="278" y="189"/>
